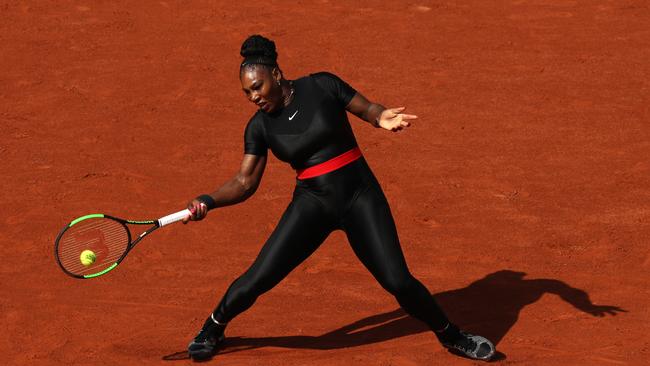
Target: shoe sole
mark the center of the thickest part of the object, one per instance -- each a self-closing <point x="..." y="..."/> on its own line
<point x="203" y="355"/>
<point x="460" y="353"/>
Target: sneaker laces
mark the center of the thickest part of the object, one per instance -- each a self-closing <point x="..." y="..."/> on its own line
<point x="473" y="346"/>
<point x="202" y="337"/>
<point x="466" y="343"/>
<point x="211" y="333"/>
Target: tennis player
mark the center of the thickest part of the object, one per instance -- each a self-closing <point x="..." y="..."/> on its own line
<point x="304" y="123"/>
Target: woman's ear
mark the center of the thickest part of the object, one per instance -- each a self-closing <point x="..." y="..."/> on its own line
<point x="277" y="75"/>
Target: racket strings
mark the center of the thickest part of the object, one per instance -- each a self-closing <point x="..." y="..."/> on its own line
<point x="106" y="238"/>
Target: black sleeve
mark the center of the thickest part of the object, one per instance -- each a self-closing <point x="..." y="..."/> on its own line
<point x="255" y="137"/>
<point x="333" y="85"/>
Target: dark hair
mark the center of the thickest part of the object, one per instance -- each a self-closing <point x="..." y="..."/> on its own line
<point x="259" y="50"/>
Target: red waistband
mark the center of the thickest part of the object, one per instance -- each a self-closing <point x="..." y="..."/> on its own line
<point x="330" y="165"/>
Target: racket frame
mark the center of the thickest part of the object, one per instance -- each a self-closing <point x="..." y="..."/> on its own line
<point x="166" y="220"/>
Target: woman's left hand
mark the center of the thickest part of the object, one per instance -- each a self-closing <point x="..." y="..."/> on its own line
<point x="393" y="119"/>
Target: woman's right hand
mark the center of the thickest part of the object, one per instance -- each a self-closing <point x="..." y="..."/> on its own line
<point x="198" y="211"/>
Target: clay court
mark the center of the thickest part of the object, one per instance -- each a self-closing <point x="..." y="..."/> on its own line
<point x="521" y="195"/>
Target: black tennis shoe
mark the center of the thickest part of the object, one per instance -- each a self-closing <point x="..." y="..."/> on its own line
<point x="471" y="346"/>
<point x="206" y="344"/>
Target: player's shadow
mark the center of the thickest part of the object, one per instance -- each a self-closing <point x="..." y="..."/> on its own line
<point x="489" y="307"/>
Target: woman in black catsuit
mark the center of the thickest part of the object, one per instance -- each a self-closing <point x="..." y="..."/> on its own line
<point x="304" y="122"/>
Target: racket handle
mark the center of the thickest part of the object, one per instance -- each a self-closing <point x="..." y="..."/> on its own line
<point x="170" y="219"/>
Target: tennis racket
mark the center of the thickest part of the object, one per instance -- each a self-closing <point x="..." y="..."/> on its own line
<point x="93" y="245"/>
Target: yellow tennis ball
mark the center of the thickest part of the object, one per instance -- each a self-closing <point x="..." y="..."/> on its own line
<point x="87" y="257"/>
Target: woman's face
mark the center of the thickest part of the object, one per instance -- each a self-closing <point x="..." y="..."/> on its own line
<point x="261" y="87"/>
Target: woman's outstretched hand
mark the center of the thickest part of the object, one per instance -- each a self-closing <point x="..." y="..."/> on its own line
<point x="393" y="119"/>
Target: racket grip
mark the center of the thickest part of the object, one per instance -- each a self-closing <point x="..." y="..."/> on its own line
<point x="170" y="219"/>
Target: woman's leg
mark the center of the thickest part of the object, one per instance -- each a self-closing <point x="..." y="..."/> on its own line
<point x="301" y="230"/>
<point x="373" y="237"/>
<point x="372" y="234"/>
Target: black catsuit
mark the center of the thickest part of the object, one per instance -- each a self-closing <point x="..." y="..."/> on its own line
<point x="312" y="129"/>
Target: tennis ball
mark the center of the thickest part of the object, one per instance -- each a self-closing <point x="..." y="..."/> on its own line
<point x="87" y="257"/>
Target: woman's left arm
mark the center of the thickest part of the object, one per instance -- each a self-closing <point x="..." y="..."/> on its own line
<point x="391" y="119"/>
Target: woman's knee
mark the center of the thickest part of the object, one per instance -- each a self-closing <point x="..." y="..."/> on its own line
<point x="401" y="285"/>
<point x="251" y="287"/>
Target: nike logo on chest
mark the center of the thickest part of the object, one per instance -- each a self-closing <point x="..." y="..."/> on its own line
<point x="293" y="115"/>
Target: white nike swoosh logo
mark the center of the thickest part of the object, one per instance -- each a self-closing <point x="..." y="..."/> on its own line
<point x="293" y="115"/>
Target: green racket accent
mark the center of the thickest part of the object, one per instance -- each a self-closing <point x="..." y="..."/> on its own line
<point x="102" y="272"/>
<point x="85" y="218"/>
<point x="140" y="222"/>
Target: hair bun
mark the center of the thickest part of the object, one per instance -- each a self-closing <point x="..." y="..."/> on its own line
<point x="258" y="46"/>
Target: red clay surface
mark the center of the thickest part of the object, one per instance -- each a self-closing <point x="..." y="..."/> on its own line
<point x="522" y="195"/>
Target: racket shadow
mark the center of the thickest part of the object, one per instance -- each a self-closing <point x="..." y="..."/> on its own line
<point x="489" y="306"/>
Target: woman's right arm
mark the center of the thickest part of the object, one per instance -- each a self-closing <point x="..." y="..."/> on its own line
<point x="236" y="190"/>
